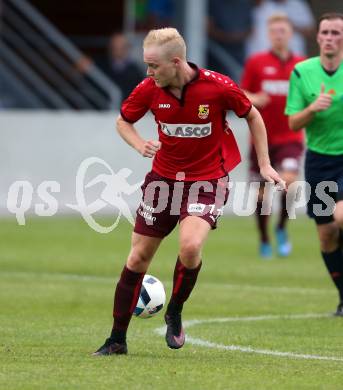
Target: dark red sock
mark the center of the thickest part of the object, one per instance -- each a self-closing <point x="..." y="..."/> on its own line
<point x="283" y="217"/>
<point x="183" y="284"/>
<point x="262" y="223"/>
<point x="125" y="300"/>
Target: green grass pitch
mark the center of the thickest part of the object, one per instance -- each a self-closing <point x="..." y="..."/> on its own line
<point x="57" y="280"/>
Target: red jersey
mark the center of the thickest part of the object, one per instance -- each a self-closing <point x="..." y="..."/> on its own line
<point x="267" y="72"/>
<point x="193" y="131"/>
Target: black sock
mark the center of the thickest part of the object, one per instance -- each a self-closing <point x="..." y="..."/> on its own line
<point x="118" y="336"/>
<point x="334" y="264"/>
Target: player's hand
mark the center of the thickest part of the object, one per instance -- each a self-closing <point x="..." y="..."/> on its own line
<point x="271" y="176"/>
<point x="323" y="101"/>
<point x="150" y="148"/>
<point x="262" y="99"/>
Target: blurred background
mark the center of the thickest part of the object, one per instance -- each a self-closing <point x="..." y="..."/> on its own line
<point x="66" y="66"/>
<point x="87" y="54"/>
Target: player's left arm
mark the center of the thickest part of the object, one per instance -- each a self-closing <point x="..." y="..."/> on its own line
<point x="235" y="100"/>
<point x="259" y="136"/>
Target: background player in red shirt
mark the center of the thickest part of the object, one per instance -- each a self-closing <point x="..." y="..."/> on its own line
<point x="265" y="81"/>
<point x="194" y="152"/>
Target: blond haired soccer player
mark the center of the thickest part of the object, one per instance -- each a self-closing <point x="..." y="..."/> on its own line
<point x="188" y="181"/>
<point x="265" y="82"/>
<point x="315" y="101"/>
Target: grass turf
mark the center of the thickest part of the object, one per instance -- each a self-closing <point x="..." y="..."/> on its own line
<point x="56" y="289"/>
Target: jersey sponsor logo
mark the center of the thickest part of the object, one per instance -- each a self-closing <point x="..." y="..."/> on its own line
<point x="186" y="130"/>
<point x="164" y="105"/>
<point x="275" y="87"/>
<point x="204" y="110"/>
<point x="269" y="70"/>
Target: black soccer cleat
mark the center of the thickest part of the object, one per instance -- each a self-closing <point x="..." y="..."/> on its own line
<point x="111" y="348"/>
<point x="339" y="310"/>
<point x="175" y="336"/>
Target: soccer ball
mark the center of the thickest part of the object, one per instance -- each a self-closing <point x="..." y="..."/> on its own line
<point x="151" y="298"/>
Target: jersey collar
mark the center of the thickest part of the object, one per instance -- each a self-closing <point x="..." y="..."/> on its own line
<point x="290" y="56"/>
<point x="197" y="72"/>
<point x="196" y="77"/>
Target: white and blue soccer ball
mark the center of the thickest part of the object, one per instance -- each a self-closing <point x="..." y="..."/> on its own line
<point x="151" y="298"/>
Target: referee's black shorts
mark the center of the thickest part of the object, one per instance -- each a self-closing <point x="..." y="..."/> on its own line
<point x="320" y="169"/>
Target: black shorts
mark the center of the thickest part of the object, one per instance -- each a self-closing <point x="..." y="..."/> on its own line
<point x="320" y="169"/>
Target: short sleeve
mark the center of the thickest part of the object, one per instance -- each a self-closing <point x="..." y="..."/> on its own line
<point x="138" y="102"/>
<point x="295" y="99"/>
<point x="234" y="99"/>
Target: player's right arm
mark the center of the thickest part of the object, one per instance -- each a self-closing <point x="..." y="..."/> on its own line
<point x="130" y="135"/>
<point x="302" y="118"/>
<point x="299" y="120"/>
<point x="134" y="108"/>
<point x="259" y="136"/>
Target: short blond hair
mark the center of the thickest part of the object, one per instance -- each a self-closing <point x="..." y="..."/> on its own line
<point x="168" y="38"/>
<point x="279" y="17"/>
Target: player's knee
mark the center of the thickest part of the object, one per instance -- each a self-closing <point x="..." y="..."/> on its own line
<point x="190" y="251"/>
<point x="328" y="239"/>
<point x="138" y="261"/>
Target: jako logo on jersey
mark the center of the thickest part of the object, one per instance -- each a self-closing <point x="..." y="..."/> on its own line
<point x="204" y="110"/>
<point x="164" y="105"/>
<point x="275" y="87"/>
<point x="186" y="130"/>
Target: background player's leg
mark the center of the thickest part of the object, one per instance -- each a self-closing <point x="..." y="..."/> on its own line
<point x="332" y="256"/>
<point x="265" y="248"/>
<point x="284" y="246"/>
<point x="338" y="215"/>
<point x="262" y="220"/>
<point x="193" y="234"/>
